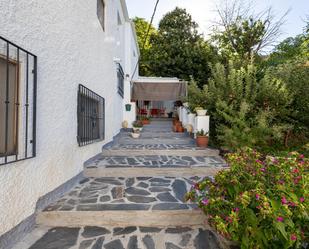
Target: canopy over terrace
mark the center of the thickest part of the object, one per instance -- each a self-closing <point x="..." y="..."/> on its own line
<point x="159" y="89"/>
<point x="155" y="96"/>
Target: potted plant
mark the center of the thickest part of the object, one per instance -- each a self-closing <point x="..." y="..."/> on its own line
<point x="137" y="126"/>
<point x="135" y="134"/>
<point x="180" y="128"/>
<point x="145" y="120"/>
<point x="176" y="125"/>
<point x="200" y="111"/>
<point x="202" y="139"/>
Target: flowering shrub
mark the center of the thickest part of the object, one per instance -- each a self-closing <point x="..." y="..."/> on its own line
<point x="258" y="202"/>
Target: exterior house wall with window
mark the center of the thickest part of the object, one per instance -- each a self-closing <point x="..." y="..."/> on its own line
<point x="72" y="48"/>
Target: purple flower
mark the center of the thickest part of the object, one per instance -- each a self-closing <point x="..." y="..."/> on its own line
<point x="281" y="182"/>
<point x="263" y="169"/>
<point x="284" y="200"/>
<point x="236" y="209"/>
<point x="280" y="219"/>
<point x="301" y="199"/>
<point x="292" y="204"/>
<point x="257" y="196"/>
<point x="205" y="202"/>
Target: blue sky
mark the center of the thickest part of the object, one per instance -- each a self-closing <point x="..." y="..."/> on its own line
<point x="203" y="12"/>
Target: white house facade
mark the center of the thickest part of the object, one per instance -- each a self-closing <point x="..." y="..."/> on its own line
<point x="66" y="68"/>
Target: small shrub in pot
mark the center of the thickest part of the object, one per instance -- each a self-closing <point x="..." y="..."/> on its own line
<point x="202" y="138"/>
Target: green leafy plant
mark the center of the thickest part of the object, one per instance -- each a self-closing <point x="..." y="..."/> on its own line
<point x="259" y="202"/>
<point x="202" y="133"/>
<point x="137" y="124"/>
<point x="247" y="110"/>
<point x="198" y="108"/>
<point x="145" y="118"/>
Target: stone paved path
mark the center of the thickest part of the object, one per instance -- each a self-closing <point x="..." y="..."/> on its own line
<point x="139" y="193"/>
<point x="132" y="196"/>
<point x="121" y="238"/>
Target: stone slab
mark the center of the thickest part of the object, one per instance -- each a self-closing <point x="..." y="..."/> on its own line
<point x="197" y="237"/>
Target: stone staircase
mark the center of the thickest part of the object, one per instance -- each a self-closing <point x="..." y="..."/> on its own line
<point x="132" y="196"/>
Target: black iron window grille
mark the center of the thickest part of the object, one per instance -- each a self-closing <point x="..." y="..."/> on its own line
<point x="120" y="78"/>
<point x="101" y="12"/>
<point x="91" y="116"/>
<point x="18" y="91"/>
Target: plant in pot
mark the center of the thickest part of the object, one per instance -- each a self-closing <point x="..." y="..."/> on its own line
<point x="202" y="139"/>
<point x="180" y="128"/>
<point x="200" y="111"/>
<point x="176" y="125"/>
<point x="135" y="134"/>
<point x="137" y="126"/>
<point x="175" y="119"/>
<point x="145" y="120"/>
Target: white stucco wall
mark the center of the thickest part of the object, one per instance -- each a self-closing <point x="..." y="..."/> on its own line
<point x="72" y="49"/>
<point x="131" y="61"/>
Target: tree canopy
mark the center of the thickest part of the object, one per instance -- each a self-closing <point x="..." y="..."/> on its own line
<point x="176" y="49"/>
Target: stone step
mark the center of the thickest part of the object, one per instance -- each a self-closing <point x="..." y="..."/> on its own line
<point x="163" y="140"/>
<point x="118" y="201"/>
<point x="140" y="151"/>
<point x="153" y="165"/>
<point x="130" y="237"/>
<point x="157" y="146"/>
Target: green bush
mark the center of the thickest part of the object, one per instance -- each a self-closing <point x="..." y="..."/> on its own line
<point x="258" y="202"/>
<point x="247" y="110"/>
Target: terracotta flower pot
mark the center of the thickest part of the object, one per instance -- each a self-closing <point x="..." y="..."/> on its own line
<point x="175" y="120"/>
<point x="180" y="128"/>
<point x="145" y="122"/>
<point x="202" y="141"/>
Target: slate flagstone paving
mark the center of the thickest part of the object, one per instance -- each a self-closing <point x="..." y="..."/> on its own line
<point x="91" y="237"/>
<point x="139" y="193"/>
<point x="158" y="148"/>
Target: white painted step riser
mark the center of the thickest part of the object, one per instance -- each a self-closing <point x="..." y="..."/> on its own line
<point x="139" y="171"/>
<point x="122" y="218"/>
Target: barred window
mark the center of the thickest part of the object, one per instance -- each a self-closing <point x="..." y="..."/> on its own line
<point x="101" y="12"/>
<point x="90" y="111"/>
<point x="17" y="103"/>
<point x="120" y="78"/>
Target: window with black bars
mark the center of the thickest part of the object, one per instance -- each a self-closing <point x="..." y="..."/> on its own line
<point x="120" y="78"/>
<point x="90" y="116"/>
<point x="18" y="91"/>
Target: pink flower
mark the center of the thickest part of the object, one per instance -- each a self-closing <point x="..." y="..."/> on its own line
<point x="281" y="182"/>
<point x="257" y="196"/>
<point x="284" y="200"/>
<point x="280" y="219"/>
<point x="275" y="160"/>
<point x="292" y="204"/>
<point x="236" y="209"/>
<point x="301" y="199"/>
<point x="293" y="237"/>
<point x="205" y="202"/>
<point x="301" y="156"/>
